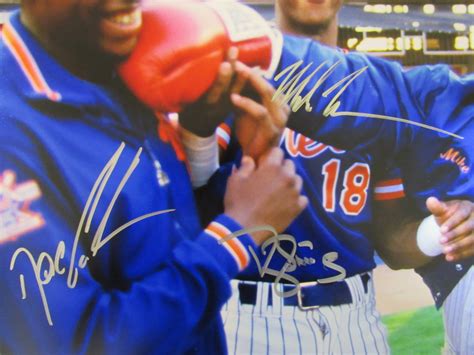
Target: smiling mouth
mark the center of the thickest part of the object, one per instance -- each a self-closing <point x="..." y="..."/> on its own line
<point x="122" y="23"/>
<point x="127" y="18"/>
<point x="119" y="29"/>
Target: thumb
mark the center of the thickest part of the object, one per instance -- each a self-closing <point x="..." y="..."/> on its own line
<point x="437" y="208"/>
<point x="247" y="166"/>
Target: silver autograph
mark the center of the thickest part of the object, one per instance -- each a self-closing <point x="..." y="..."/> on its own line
<point x="50" y="264"/>
<point x="292" y="86"/>
<point x="292" y="260"/>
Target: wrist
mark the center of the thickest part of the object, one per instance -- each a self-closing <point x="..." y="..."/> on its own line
<point x="197" y="129"/>
<point x="196" y="141"/>
<point x="237" y="217"/>
<point x="201" y="132"/>
<point x="197" y="120"/>
<point x="202" y="154"/>
<point x="259" y="232"/>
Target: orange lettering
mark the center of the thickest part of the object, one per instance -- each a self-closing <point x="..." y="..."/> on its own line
<point x="455" y="157"/>
<point x="450" y="154"/>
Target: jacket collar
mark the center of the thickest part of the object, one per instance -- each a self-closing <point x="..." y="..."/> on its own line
<point x="46" y="79"/>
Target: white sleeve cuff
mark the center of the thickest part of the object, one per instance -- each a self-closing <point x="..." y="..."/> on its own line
<point x="202" y="154"/>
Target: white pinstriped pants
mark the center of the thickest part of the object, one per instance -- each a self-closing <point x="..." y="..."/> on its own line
<point x="458" y="314"/>
<point x="278" y="329"/>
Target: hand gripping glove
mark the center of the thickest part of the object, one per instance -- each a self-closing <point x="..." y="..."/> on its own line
<point x="182" y="44"/>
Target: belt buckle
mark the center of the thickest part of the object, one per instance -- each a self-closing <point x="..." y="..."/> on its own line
<point x="300" y="296"/>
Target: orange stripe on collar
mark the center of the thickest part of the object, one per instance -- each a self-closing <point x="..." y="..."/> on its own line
<point x="27" y="63"/>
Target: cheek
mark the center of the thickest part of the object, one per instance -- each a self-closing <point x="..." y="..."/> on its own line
<point x="291" y="7"/>
<point x="86" y="26"/>
<point x="68" y="17"/>
<point x="337" y="5"/>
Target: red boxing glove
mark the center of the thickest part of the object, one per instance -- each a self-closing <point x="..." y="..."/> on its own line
<point x="182" y="44"/>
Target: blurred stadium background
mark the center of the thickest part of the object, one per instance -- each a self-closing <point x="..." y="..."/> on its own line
<point x="412" y="32"/>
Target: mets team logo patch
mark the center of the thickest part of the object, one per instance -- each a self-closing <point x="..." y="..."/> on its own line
<point x="16" y="218"/>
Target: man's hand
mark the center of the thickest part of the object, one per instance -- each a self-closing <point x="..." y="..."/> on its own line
<point x="267" y="194"/>
<point x="203" y="116"/>
<point x="456" y="220"/>
<point x="259" y="125"/>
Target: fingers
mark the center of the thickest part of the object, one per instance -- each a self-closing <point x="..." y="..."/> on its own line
<point x="289" y="166"/>
<point x="261" y="86"/>
<point x="466" y="227"/>
<point x="225" y="76"/>
<point x="462" y="211"/>
<point x="247" y="166"/>
<point x="242" y="73"/>
<point x="302" y="202"/>
<point x="250" y="107"/>
<point x="277" y="113"/>
<point x="460" y="248"/>
<point x="254" y="111"/>
<point x="273" y="157"/>
<point x="258" y="128"/>
<point x="436" y="207"/>
<point x="232" y="55"/>
<point x="221" y="84"/>
<point x="294" y="180"/>
<point x="296" y="183"/>
<point x="457" y="228"/>
<point x="266" y="118"/>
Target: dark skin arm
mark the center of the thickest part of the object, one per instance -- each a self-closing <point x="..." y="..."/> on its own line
<point x="396" y="225"/>
<point x="394" y="234"/>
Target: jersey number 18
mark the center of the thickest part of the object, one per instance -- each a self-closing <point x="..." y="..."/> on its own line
<point x="354" y="194"/>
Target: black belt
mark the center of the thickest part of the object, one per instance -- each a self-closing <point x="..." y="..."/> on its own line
<point x="310" y="295"/>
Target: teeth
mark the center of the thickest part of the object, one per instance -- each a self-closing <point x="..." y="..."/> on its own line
<point x="127" y="19"/>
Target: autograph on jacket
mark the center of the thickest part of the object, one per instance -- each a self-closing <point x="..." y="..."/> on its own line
<point x="47" y="266"/>
<point x="294" y="83"/>
<point x="292" y="260"/>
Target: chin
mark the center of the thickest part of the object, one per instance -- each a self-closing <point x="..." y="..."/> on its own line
<point x="118" y="50"/>
<point x="316" y="19"/>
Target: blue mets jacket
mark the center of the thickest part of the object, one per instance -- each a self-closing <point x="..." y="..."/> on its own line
<point x="100" y="246"/>
<point x="422" y="118"/>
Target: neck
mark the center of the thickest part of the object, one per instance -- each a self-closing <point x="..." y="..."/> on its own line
<point x="89" y="67"/>
<point x="329" y="36"/>
<point x="325" y="33"/>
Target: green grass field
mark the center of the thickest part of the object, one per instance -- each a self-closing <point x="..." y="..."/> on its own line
<point x="416" y="332"/>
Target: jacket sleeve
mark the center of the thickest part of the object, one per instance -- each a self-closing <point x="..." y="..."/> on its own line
<point x="165" y="311"/>
<point x="346" y="90"/>
<point x="353" y="98"/>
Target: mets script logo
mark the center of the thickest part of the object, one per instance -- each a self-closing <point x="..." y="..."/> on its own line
<point x="456" y="157"/>
<point x="15" y="217"/>
<point x="298" y="145"/>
